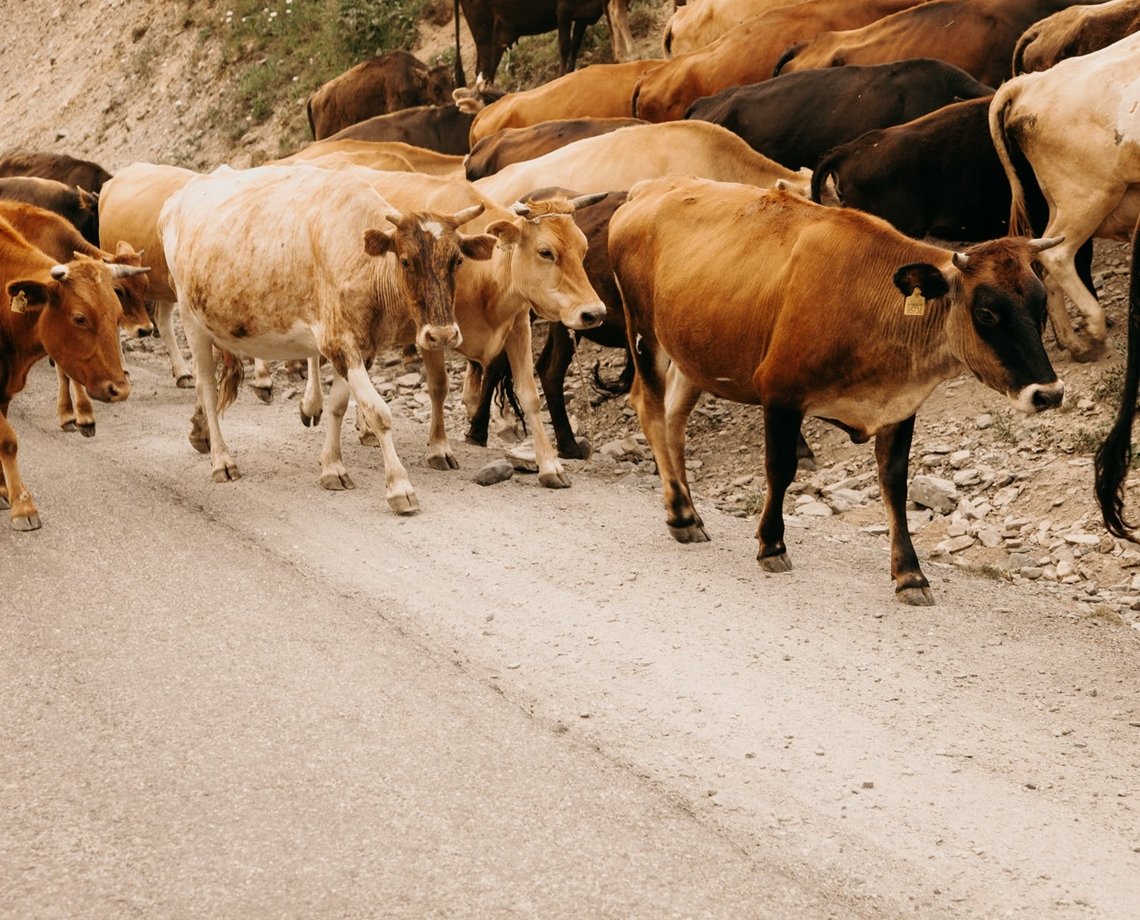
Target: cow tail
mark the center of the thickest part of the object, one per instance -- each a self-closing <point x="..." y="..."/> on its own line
<point x="667" y="38"/>
<point x="505" y="395"/>
<point x="1026" y="39"/>
<point x="460" y="77"/>
<point x="1114" y="457"/>
<point x="230" y="378"/>
<point x="633" y="100"/>
<point x="788" y="54"/>
<point x="827" y="166"/>
<point x="309" y="112"/>
<point x="1006" y="96"/>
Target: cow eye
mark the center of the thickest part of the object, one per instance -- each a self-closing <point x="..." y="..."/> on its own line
<point x="457" y="261"/>
<point x="547" y="254"/>
<point x="983" y="316"/>
<point x="79" y="319"/>
<point x="405" y="261"/>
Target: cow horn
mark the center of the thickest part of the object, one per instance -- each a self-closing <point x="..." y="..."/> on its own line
<point x="127" y="271"/>
<point x="459" y="218"/>
<point x="58" y="272"/>
<point x="961" y="260"/>
<point x="1045" y="242"/>
<point x="521" y="208"/>
<point x="584" y="201"/>
<point x="393" y="216"/>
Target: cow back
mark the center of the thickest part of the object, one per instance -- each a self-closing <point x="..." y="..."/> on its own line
<point x="442" y="128"/>
<point x="69" y="170"/>
<point x="73" y="204"/>
<point x="515" y="145"/>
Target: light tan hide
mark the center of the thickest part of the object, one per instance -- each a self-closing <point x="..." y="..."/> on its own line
<point x="696" y="25"/>
<point x="392" y="156"/>
<point x="1073" y="32"/>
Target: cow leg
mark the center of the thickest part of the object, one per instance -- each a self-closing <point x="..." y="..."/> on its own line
<point x="577" y="33"/>
<point x="13" y="492"/>
<point x="262" y="382"/>
<point x="334" y="475"/>
<point x="552" y="365"/>
<point x="377" y="416"/>
<point x="222" y="466"/>
<point x="781" y="433"/>
<point x="439" y="455"/>
<point x="64" y="408"/>
<point x="892" y="453"/>
<point x="164" y="320"/>
<point x="313" y="399"/>
<point x="478" y="392"/>
<point x="84" y="411"/>
<point x="518" y="347"/>
<point x="617" y="15"/>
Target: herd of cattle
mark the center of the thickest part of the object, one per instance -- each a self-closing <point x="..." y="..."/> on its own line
<point x="684" y="209"/>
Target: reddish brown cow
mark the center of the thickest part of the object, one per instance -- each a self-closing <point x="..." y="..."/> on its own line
<point x="762" y="297"/>
<point x="70" y="202"/>
<point x="442" y="128"/>
<point x="68" y="311"/>
<point x="1073" y="32"/>
<point x="393" y="81"/>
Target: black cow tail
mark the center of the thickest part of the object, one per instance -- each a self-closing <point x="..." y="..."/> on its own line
<point x="460" y="77"/>
<point x="825" y="167"/>
<point x="787" y="56"/>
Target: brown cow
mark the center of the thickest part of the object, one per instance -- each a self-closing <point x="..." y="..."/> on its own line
<point x="68" y="311"/>
<point x="765" y="298"/>
<point x="1073" y="32"/>
<point x="72" y="203"/>
<point x="443" y="128"/>
<point x="697" y="25"/>
<point x="393" y="81"/>
<point x="58" y="166"/>
<point x="517" y="144"/>
<point x="59" y="240"/>
<point x="748" y="53"/>
<point x="597" y="91"/>
<point x="977" y="35"/>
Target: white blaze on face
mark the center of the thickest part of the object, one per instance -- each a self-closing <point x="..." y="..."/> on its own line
<point x="434" y="227"/>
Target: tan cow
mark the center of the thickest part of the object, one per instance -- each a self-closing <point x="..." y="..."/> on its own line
<point x="1073" y="32"/>
<point x="617" y="160"/>
<point x="597" y="91"/>
<point x="764" y="298"/>
<point x="284" y="262"/>
<point x="68" y="311"/>
<point x="391" y="156"/>
<point x="1078" y="125"/>
<point x="537" y="266"/>
<point x="748" y="53"/>
<point x="59" y="240"/>
<point x="697" y="25"/>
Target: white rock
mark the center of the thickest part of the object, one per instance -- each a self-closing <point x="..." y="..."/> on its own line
<point x="935" y="493"/>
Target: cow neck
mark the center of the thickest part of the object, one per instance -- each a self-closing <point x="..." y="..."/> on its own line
<point x="488" y="287"/>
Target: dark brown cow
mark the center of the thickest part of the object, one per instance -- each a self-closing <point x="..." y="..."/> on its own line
<point x="844" y="102"/>
<point x="67" y="311"/>
<point x="514" y="145"/>
<point x="442" y="128"/>
<point x="497" y="24"/>
<point x="1073" y="32"/>
<point x="393" y="81"/>
<point x="70" y="202"/>
<point x="762" y="297"/>
<point x="977" y="35"/>
<point x="748" y="53"/>
<point x="59" y="240"/>
<point x="59" y="166"/>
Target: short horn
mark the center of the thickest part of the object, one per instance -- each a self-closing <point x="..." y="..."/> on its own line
<point x="961" y="260"/>
<point x="521" y="208"/>
<point x="1045" y="242"/>
<point x="459" y="218"/>
<point x="58" y="272"/>
<point x="127" y="271"/>
<point x="584" y="201"/>
<point x="393" y="216"/>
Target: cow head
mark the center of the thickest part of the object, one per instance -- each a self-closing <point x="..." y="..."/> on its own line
<point x="78" y="322"/>
<point x="428" y="249"/>
<point x="438" y="86"/>
<point x="546" y="251"/>
<point x="130" y="288"/>
<point x="997" y="314"/>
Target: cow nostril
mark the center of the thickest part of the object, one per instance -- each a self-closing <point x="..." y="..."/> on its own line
<point x="1047" y="399"/>
<point x="144" y="331"/>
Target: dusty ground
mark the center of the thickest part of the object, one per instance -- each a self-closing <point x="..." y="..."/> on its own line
<point x="977" y="759"/>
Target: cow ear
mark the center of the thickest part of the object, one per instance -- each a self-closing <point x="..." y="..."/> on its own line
<point x="479" y="247"/>
<point x="28" y="296"/>
<point x="924" y="276"/>
<point x="379" y="242"/>
<point x="506" y="230"/>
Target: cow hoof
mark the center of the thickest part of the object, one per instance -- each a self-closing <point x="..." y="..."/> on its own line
<point x="557" y="480"/>
<point x="310" y="421"/>
<point x="1089" y="352"/>
<point x="777" y="563"/>
<point x="445" y="462"/>
<point x="693" y="533"/>
<point x="227" y="473"/>
<point x="807" y="464"/>
<point x="265" y="394"/>
<point x="200" y="444"/>
<point x="916" y="597"/>
<point x="88" y="431"/>
<point x="337" y="482"/>
<point x="405" y="503"/>
<point x="28" y="522"/>
<point x="68" y="426"/>
<point x="478" y="442"/>
<point x="185" y="382"/>
<point x="578" y="449"/>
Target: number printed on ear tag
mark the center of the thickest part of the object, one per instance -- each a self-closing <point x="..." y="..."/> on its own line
<point x="915" y="304"/>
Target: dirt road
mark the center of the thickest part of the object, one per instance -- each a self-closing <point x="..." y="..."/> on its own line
<point x="262" y="698"/>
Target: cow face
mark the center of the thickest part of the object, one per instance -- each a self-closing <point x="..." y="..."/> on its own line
<point x="428" y="250"/>
<point x="131" y="291"/>
<point x="78" y="323"/>
<point x="547" y="249"/>
<point x="997" y="314"/>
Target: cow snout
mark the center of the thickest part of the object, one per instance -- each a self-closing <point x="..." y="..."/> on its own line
<point x="587" y="317"/>
<point x="434" y="338"/>
<point x="143" y="331"/>
<point x="1038" y="397"/>
<point x="111" y="390"/>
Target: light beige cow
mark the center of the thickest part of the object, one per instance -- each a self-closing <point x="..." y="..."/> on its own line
<point x="702" y="22"/>
<point x="391" y="156"/>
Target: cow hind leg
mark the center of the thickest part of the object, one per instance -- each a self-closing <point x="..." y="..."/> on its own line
<point x="334" y="475"/>
<point x="164" y="320"/>
<point x="313" y="398"/>
<point x="781" y="431"/>
<point x="223" y="468"/>
<point x="439" y="455"/>
<point x="262" y="382"/>
<point x="892" y="454"/>
<point x="13" y="492"/>
<point x="552" y="364"/>
<point x="478" y="392"/>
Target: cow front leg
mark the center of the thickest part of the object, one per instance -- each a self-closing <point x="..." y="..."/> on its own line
<point x="222" y="466"/>
<point x="84" y="411"/>
<point x="312" y="402"/>
<point x="781" y="435"/>
<point x="334" y="475"/>
<point x="518" y="346"/>
<point x="64" y="408"/>
<point x="377" y="416"/>
<point x="262" y="382"/>
<point x="553" y="362"/>
<point x="13" y="492"/>
<point x="478" y="391"/>
<point x="892" y="454"/>
<point x="164" y="320"/>
<point x="439" y="455"/>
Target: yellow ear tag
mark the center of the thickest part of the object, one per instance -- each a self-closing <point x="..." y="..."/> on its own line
<point x="915" y="304"/>
<point x="20" y="303"/>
